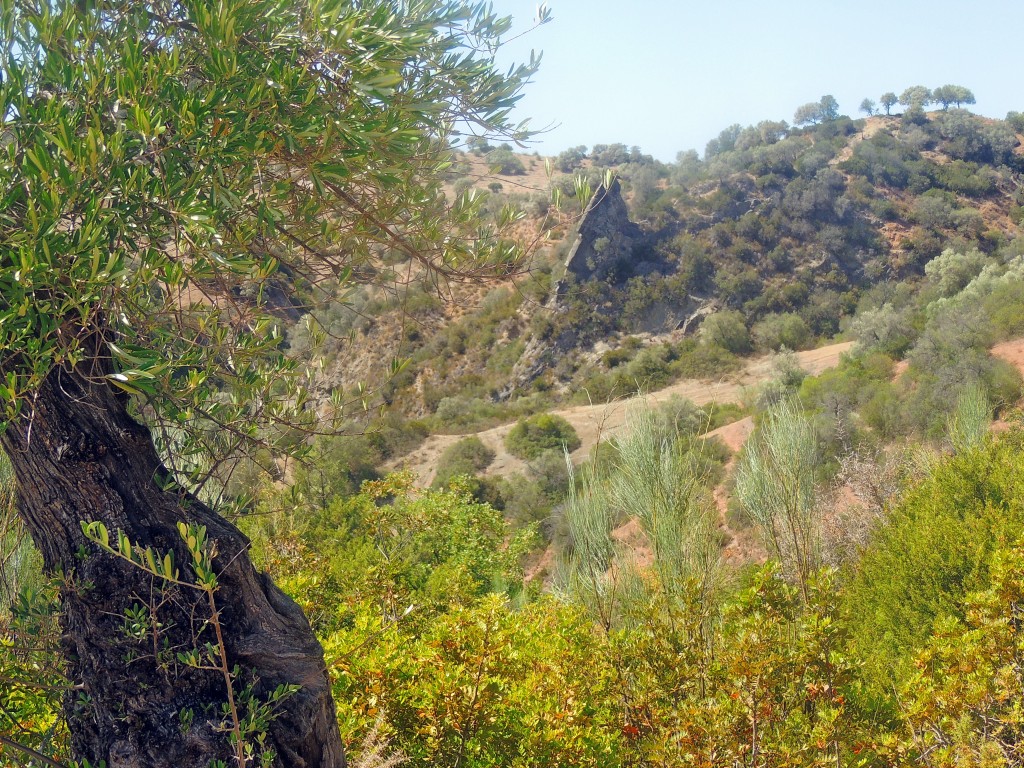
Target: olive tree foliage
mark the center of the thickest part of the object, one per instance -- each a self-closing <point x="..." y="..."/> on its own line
<point x="952" y="94"/>
<point x="166" y="163"/>
<point x="916" y="97"/>
<point x="776" y="487"/>
<point x="867" y="106"/>
<point x="171" y="172"/>
<point x="887" y="101"/>
<point x="823" y="110"/>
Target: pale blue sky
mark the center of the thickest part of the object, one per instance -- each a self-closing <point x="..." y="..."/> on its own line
<point x="668" y="76"/>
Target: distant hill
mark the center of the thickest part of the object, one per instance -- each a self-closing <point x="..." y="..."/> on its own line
<point x="781" y="233"/>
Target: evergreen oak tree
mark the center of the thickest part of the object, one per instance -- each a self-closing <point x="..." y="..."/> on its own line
<point x="167" y="167"/>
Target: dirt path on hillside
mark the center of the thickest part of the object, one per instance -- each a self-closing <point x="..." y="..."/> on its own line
<point x="598" y="422"/>
<point x="739" y="545"/>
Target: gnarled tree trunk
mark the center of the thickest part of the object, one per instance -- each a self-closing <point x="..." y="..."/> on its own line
<point x="79" y="456"/>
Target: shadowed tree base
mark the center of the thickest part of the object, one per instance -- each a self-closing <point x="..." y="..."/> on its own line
<point x="80" y="456"/>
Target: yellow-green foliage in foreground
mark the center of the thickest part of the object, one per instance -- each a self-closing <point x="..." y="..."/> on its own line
<point x="431" y="635"/>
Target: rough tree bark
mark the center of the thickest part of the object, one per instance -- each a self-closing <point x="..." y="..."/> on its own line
<point x="79" y="455"/>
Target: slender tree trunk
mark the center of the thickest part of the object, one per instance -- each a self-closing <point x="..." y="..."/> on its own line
<point x="79" y="456"/>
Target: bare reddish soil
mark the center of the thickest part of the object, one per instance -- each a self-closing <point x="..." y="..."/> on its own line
<point x="594" y="423"/>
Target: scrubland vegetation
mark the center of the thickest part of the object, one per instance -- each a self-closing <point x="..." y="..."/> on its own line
<point x="886" y="640"/>
<point x="779" y="234"/>
<point x="842" y="590"/>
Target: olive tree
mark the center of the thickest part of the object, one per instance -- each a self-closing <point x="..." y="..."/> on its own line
<point x="888" y="100"/>
<point x="916" y="98"/>
<point x="808" y="114"/>
<point x="823" y="110"/>
<point x="166" y="168"/>
<point x="829" y="107"/>
<point x="952" y="94"/>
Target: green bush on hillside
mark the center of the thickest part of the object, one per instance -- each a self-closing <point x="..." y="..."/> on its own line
<point x="505" y="162"/>
<point x="786" y="329"/>
<point x="970" y="673"/>
<point x="728" y="330"/>
<point x="529" y="438"/>
<point x="466" y="457"/>
<point x="935" y="547"/>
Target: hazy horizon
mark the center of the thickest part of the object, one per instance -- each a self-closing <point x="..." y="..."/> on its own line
<point x="669" y="76"/>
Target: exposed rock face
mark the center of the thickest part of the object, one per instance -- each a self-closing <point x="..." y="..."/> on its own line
<point x="609" y="248"/>
<point x="604" y="249"/>
<point x="605" y="243"/>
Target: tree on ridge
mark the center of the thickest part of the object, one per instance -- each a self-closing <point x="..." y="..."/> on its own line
<point x="916" y="98"/>
<point x="952" y="94"/>
<point x="825" y="109"/>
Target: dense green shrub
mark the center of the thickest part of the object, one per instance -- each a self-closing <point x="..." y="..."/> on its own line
<point x="728" y="330"/>
<point x="692" y="360"/>
<point x="530" y="437"/>
<point x="934" y="210"/>
<point x="338" y="467"/>
<point x="651" y="368"/>
<point x="935" y="547"/>
<point x="458" y="412"/>
<point x="468" y="456"/>
<point x="950" y="355"/>
<point x="1004" y="307"/>
<point x="851" y="384"/>
<point x="963" y="697"/>
<point x="786" y="329"/>
<point x="340" y="464"/>
<point x="966" y="178"/>
<point x="655" y="367"/>
<point x="505" y="162"/>
<point x="530" y="498"/>
<point x="616" y="357"/>
<point x="952" y="270"/>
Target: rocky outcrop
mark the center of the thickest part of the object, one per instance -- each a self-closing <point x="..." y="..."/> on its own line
<point x="606" y="241"/>
<point x="605" y="248"/>
<point x="608" y="248"/>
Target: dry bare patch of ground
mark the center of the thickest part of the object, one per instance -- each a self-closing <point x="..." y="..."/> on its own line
<point x="602" y="420"/>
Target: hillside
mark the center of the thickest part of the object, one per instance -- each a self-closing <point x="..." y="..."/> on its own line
<point x="601" y="421"/>
<point x="893" y="238"/>
<point x="797" y="546"/>
<point x="783" y="232"/>
<point x="334" y="435"/>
